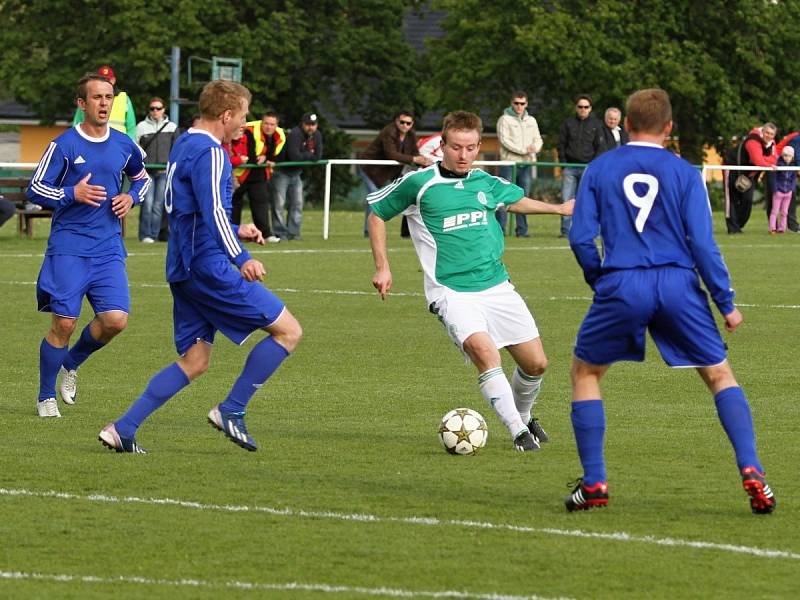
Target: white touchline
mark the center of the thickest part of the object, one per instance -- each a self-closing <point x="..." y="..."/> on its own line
<point x="619" y="536"/>
<point x="287" y="290"/>
<point x="247" y="585"/>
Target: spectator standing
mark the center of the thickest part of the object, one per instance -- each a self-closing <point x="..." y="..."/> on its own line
<point x="783" y="185"/>
<point x="302" y="143"/>
<point x="757" y="149"/>
<point x="396" y="141"/>
<point x="579" y="141"/>
<point x="80" y="178"/>
<point x="614" y="136"/>
<point x="155" y="135"/>
<point x="520" y="140"/>
<point x="258" y="145"/>
<point x="122" y="117"/>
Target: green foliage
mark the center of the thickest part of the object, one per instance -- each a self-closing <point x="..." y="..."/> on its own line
<point x="333" y="54"/>
<point x="727" y="65"/>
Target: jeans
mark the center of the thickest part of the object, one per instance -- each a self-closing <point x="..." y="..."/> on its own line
<point x="152" y="207"/>
<point x="570" y="179"/>
<point x="288" y="195"/>
<point x="371" y="187"/>
<point x="524" y="180"/>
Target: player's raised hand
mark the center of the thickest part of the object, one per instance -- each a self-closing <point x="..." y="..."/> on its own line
<point x="250" y="233"/>
<point x="86" y="193"/>
<point x="733" y="320"/>
<point x="382" y="281"/>
<point x="253" y="270"/>
<point x="121" y="204"/>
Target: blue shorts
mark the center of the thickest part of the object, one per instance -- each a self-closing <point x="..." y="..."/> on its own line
<point x="217" y="297"/>
<point x="64" y="280"/>
<point x="667" y="301"/>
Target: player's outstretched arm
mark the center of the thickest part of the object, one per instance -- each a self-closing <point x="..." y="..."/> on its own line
<point x="382" y="280"/>
<point x="529" y="206"/>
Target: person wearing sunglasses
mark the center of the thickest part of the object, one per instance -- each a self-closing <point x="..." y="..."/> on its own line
<point x="396" y="141"/>
<point x="155" y="134"/>
<point x="520" y="140"/>
<point x="579" y="141"/>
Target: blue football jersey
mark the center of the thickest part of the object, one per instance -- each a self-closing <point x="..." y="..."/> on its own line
<point x="198" y="202"/>
<point x="80" y="229"/>
<point x="651" y="209"/>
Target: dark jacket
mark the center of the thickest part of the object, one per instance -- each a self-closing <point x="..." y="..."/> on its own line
<point x="299" y="146"/>
<point x="609" y="140"/>
<point x="580" y="140"/>
<point x="387" y="146"/>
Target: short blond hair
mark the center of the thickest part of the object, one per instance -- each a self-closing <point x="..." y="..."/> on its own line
<point x="220" y="95"/>
<point x="461" y="120"/>
<point x="648" y="111"/>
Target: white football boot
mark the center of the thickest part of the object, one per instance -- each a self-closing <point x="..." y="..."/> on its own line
<point x="48" y="408"/>
<point x="69" y="385"/>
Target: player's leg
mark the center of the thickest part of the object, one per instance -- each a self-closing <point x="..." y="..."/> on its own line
<point x="53" y="350"/>
<point x="263" y="360"/>
<point x="734" y="414"/>
<point x="496" y="389"/>
<point x="686" y="334"/>
<point x="526" y="382"/>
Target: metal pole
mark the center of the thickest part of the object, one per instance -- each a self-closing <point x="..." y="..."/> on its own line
<point x="174" y="85"/>
<point x="326" y="204"/>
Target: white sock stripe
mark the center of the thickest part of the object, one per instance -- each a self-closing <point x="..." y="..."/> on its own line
<point x="487" y="375"/>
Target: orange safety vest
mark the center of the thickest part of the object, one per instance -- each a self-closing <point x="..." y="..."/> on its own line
<point x="255" y="129"/>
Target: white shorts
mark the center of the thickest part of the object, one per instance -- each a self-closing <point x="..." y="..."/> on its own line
<point x="499" y="311"/>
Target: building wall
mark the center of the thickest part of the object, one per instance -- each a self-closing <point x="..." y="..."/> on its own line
<point x="33" y="140"/>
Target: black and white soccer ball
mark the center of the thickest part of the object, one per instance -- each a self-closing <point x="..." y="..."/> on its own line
<point x="463" y="431"/>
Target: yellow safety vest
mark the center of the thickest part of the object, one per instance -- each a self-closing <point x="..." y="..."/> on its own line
<point x="255" y="129"/>
<point x="117" y="117"/>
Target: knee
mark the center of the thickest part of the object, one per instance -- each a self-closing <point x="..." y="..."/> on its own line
<point x="535" y="366"/>
<point x="63" y="328"/>
<point x="113" y="324"/>
<point x="719" y="377"/>
<point x="482" y="350"/>
<point x="290" y="337"/>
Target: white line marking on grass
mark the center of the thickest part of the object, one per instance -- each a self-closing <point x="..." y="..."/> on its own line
<point x="247" y="585"/>
<point x="619" y="536"/>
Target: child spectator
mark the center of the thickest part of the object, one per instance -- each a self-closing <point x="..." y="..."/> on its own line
<point x="784" y="186"/>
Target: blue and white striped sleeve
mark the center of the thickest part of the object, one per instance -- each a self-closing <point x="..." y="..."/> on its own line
<point x="44" y="188"/>
<point x="210" y="184"/>
<point x="134" y="169"/>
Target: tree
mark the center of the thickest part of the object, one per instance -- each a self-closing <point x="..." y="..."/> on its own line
<point x="727" y="65"/>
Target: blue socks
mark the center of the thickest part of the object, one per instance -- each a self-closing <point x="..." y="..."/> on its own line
<point x="734" y="414"/>
<point x="50" y="361"/>
<point x="163" y="386"/>
<point x="82" y="349"/>
<point x="263" y="361"/>
<point x="589" y="424"/>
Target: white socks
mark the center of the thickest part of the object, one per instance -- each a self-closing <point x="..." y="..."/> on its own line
<point x="526" y="390"/>
<point x="497" y="391"/>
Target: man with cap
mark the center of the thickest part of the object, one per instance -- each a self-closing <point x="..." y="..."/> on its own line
<point x="122" y="117"/>
<point x="302" y="143"/>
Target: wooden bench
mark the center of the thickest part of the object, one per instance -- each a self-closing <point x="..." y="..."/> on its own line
<point x="17" y="187"/>
<point x="13" y="190"/>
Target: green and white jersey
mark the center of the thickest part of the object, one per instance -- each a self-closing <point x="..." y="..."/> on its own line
<point x="455" y="233"/>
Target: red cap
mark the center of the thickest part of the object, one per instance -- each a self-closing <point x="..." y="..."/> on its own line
<point x="106" y="71"/>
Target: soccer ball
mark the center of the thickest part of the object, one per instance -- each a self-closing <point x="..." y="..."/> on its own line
<point x="463" y="431"/>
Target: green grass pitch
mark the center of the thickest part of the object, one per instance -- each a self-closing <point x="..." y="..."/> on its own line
<point x="351" y="495"/>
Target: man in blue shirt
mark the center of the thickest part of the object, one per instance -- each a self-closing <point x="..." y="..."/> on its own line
<point x="652" y="212"/>
<point x="213" y="279"/>
<point x="80" y="178"/>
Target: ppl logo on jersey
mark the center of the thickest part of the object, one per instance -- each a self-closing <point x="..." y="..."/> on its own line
<point x="463" y="220"/>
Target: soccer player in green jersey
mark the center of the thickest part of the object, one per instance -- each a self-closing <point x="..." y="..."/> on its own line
<point x="450" y="208"/>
